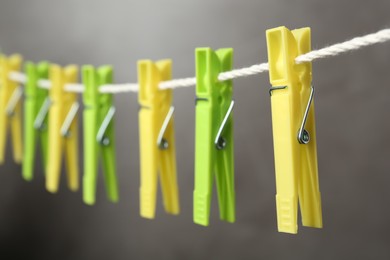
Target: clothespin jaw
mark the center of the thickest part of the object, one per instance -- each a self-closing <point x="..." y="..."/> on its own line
<point x="157" y="138"/>
<point x="63" y="132"/>
<point x="35" y="101"/>
<point x="98" y="133"/>
<point x="293" y="130"/>
<point x="10" y="107"/>
<point x="213" y="135"/>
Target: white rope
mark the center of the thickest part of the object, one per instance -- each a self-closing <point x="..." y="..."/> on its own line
<point x="79" y="88"/>
<point x="351" y="45"/>
<point x="73" y="87"/>
<point x="178" y="83"/>
<point x="244" y="72"/>
<point x="119" y="88"/>
<point x="18" y="77"/>
<point x="44" y="83"/>
<point x="333" y="50"/>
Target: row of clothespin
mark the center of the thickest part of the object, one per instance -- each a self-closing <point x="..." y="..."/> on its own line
<point x="50" y="117"/>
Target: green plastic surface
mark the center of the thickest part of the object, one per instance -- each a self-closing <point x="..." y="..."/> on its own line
<point x="96" y="106"/>
<point x="34" y="98"/>
<point x="213" y="100"/>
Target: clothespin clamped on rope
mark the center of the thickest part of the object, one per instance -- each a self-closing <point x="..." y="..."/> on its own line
<point x="10" y="107"/>
<point x="36" y="108"/>
<point x="63" y="128"/>
<point x="157" y="138"/>
<point x="214" y="156"/>
<point x="294" y="131"/>
<point x="99" y="133"/>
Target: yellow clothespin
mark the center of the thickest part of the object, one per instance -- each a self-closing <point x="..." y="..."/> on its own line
<point x="10" y="107"/>
<point x="157" y="140"/>
<point x="63" y="132"/>
<point x="293" y="129"/>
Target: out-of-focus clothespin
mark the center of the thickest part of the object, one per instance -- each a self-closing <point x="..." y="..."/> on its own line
<point x="99" y="133"/>
<point x="10" y="107"/>
<point x="294" y="132"/>
<point x="214" y="155"/>
<point x="36" y="107"/>
<point x="63" y="132"/>
<point x="157" y="138"/>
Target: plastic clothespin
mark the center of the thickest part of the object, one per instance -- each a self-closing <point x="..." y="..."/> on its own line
<point x="157" y="138"/>
<point x="10" y="107"/>
<point x="36" y="107"/>
<point x="98" y="133"/>
<point x="63" y="132"/>
<point x="214" y="155"/>
<point x="293" y="129"/>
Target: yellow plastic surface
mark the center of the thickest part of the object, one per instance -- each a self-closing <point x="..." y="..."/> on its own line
<point x="14" y="121"/>
<point x="61" y="101"/>
<point x="295" y="163"/>
<point x="155" y="104"/>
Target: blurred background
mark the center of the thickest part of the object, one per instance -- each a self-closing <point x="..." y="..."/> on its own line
<point x="352" y="97"/>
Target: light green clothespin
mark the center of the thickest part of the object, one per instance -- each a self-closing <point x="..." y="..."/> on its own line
<point x="213" y="135"/>
<point x="36" y="107"/>
<point x="98" y="133"/>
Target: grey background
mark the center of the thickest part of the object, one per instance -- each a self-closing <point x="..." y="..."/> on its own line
<point x="352" y="100"/>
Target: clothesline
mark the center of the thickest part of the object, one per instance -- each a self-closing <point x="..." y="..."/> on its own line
<point x="330" y="51"/>
<point x="52" y="117"/>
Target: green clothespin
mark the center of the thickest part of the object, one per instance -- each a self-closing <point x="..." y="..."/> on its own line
<point x="213" y="135"/>
<point x="98" y="133"/>
<point x="36" y="106"/>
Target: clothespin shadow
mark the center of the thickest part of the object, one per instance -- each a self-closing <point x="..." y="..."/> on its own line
<point x="214" y="147"/>
<point x="294" y="132"/>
